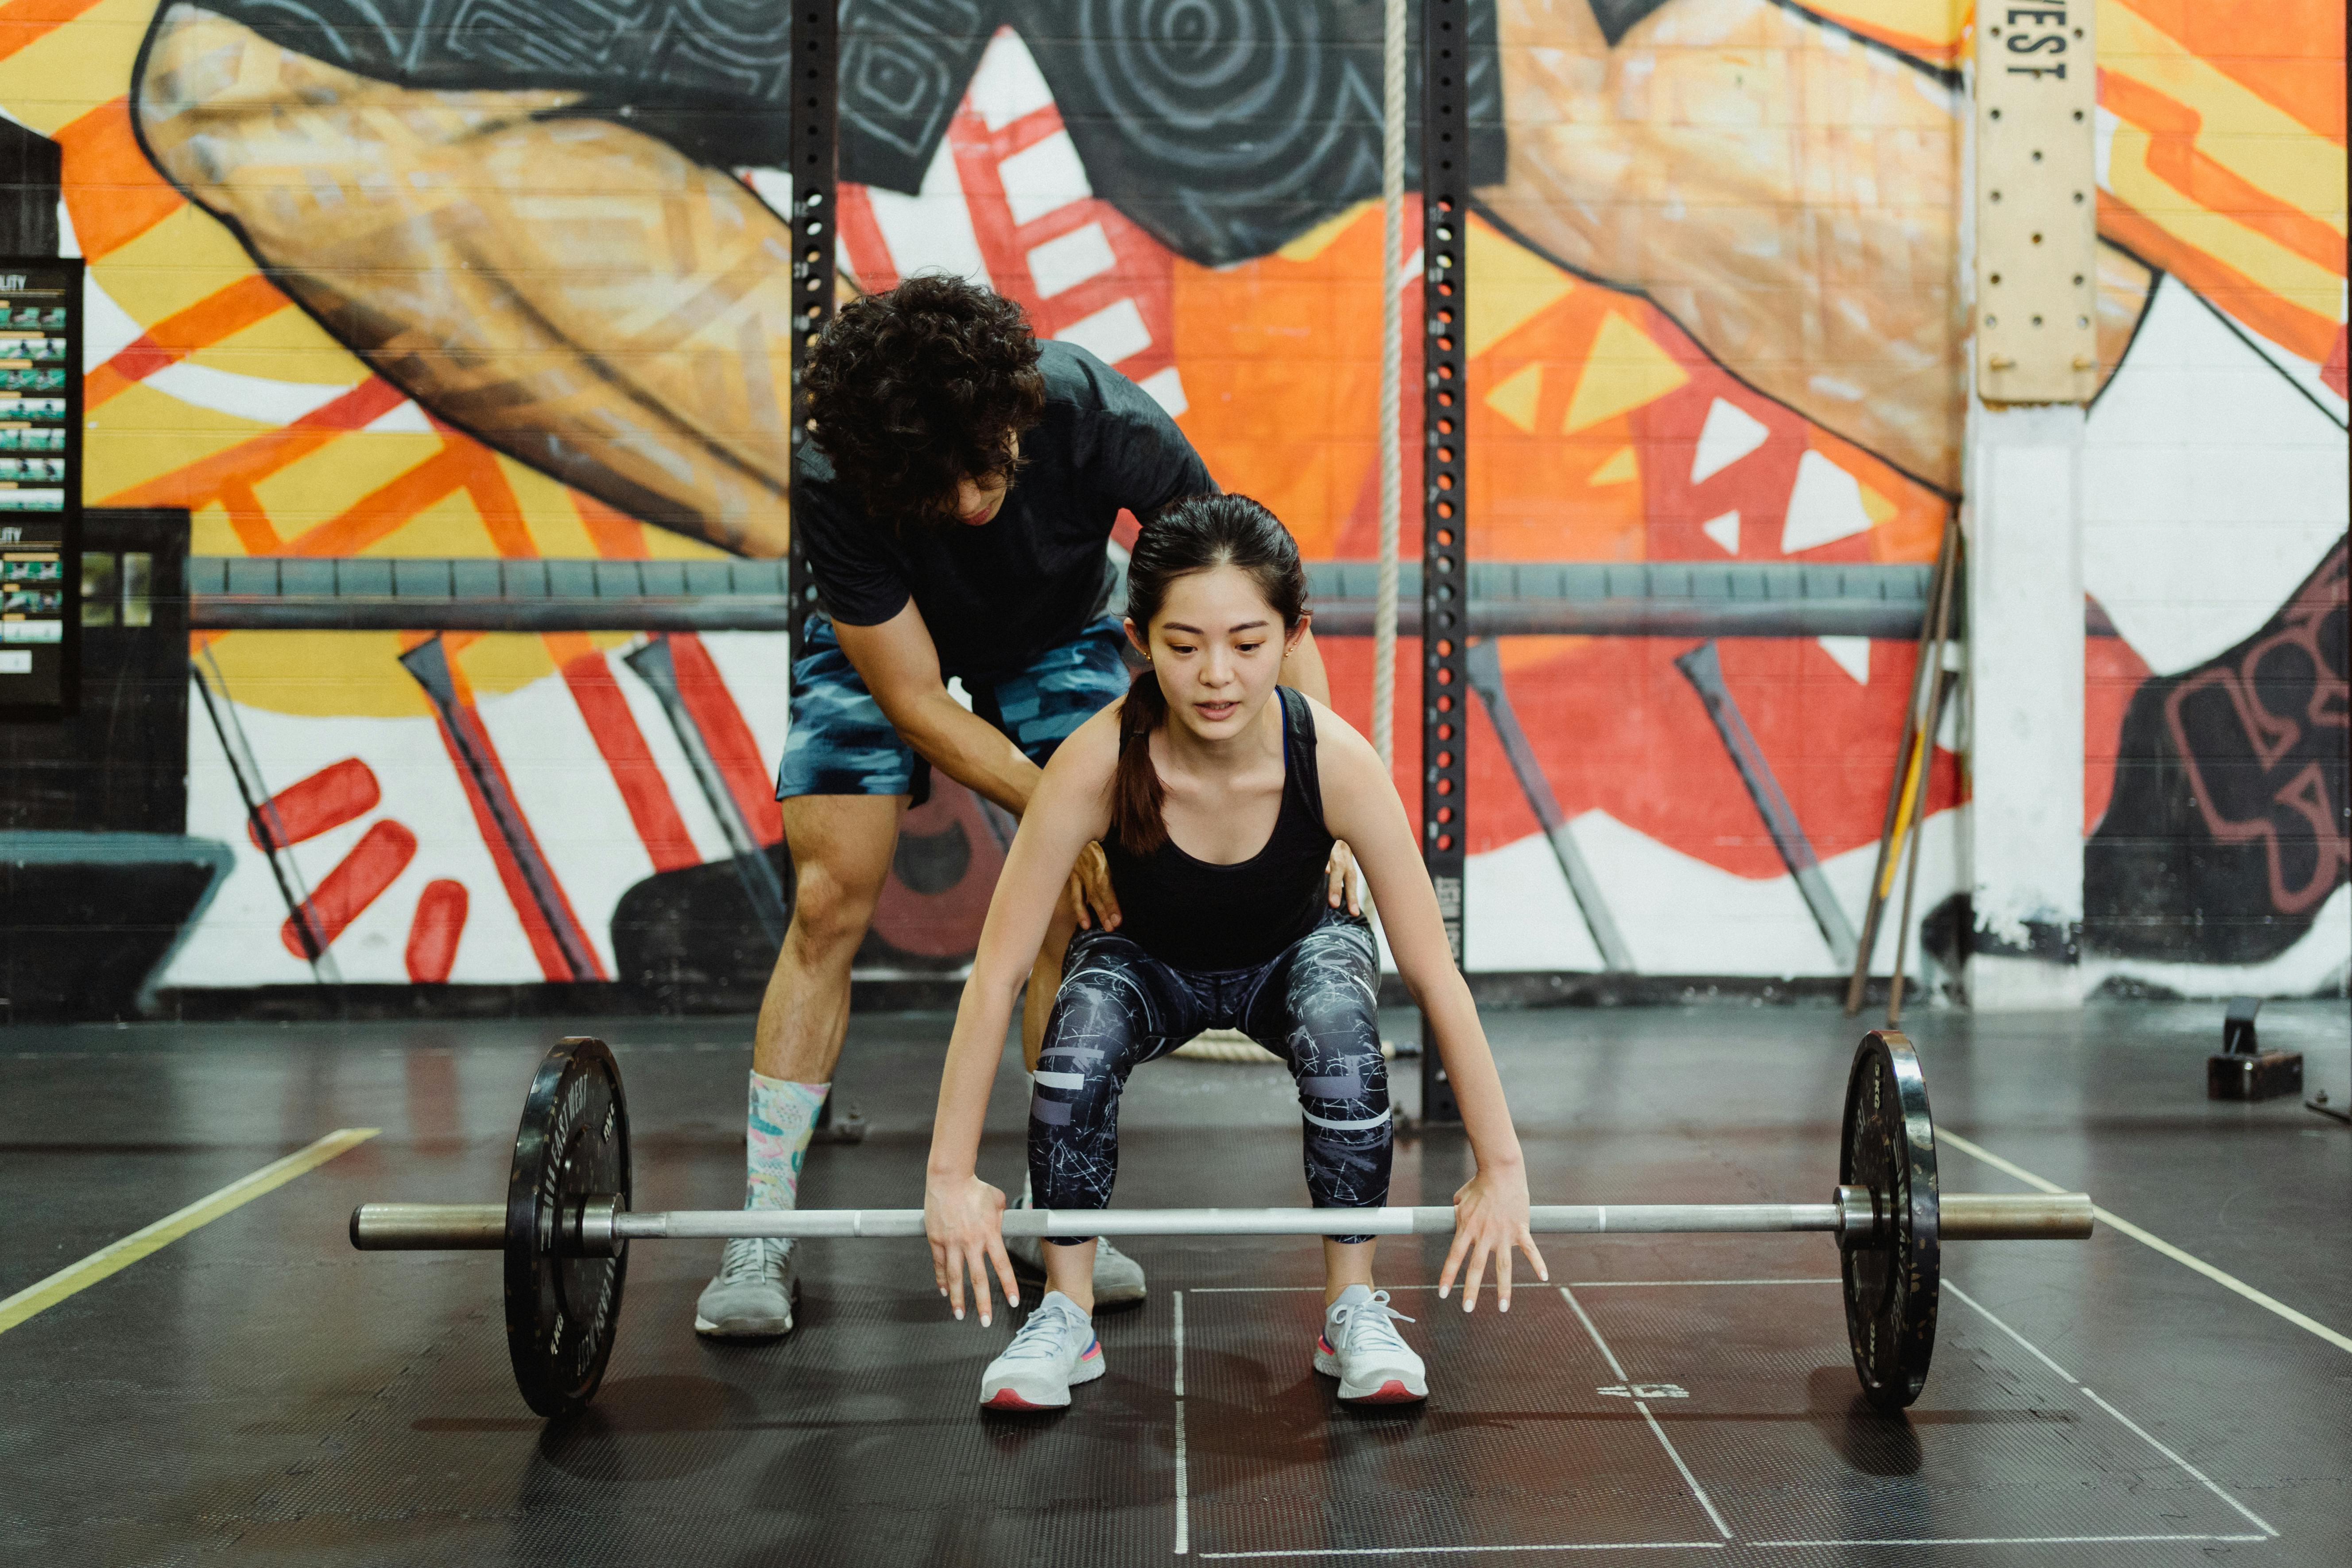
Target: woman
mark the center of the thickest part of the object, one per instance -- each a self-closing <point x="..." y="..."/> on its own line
<point x="1216" y="795"/>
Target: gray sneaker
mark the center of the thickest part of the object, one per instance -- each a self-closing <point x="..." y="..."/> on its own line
<point x="751" y="1296"/>
<point x="1361" y="1347"/>
<point x="1119" y="1279"/>
<point x="1055" y="1348"/>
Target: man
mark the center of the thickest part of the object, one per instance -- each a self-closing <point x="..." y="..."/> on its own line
<point x="955" y="506"/>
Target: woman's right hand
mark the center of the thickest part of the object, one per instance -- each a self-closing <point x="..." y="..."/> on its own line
<point x="964" y="1219"/>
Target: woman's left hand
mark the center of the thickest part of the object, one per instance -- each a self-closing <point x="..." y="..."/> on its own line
<point x="1490" y="1216"/>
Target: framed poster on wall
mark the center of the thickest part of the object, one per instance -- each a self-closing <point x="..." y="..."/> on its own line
<point x="40" y="487"/>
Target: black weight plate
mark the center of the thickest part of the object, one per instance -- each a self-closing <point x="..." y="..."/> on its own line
<point x="1892" y="1285"/>
<point x="573" y="1142"/>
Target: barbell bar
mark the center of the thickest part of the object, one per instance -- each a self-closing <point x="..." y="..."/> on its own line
<point x="597" y="1226"/>
<point x="566" y="1225"/>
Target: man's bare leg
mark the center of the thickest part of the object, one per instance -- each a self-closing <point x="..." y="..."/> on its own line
<point x="581" y="296"/>
<point x="841" y="855"/>
<point x="841" y="847"/>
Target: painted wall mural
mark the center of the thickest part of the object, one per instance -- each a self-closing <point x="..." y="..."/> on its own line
<point x="504" y="279"/>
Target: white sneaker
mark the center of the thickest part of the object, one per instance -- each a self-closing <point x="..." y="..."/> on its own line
<point x="1055" y="1348"/>
<point x="751" y="1298"/>
<point x="1362" y="1349"/>
<point x="1119" y="1279"/>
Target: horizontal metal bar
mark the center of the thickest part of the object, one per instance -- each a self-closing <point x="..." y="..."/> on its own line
<point x="733" y="613"/>
<point x="1508" y="598"/>
<point x="1581" y="1219"/>
<point x="379" y="1228"/>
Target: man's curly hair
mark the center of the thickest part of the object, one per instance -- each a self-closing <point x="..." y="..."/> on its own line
<point x="915" y="390"/>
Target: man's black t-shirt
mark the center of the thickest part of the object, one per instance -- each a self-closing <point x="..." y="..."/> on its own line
<point x="996" y="595"/>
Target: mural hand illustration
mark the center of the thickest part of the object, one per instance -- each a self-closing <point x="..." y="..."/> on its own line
<point x="1711" y="155"/>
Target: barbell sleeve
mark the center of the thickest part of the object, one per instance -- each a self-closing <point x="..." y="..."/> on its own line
<point x="429" y="1228"/>
<point x="386" y="1228"/>
<point x="2028" y="1216"/>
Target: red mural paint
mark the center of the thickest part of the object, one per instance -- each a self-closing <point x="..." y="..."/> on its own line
<point x="357" y="882"/>
<point x="636" y="774"/>
<point x="327" y="799"/>
<point x="732" y="746"/>
<point x="433" y="930"/>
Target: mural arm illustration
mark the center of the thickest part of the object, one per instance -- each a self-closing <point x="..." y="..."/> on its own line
<point x="1787" y="195"/>
<point x="582" y="297"/>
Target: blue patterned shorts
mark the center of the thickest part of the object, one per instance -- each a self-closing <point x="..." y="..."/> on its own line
<point x="840" y="744"/>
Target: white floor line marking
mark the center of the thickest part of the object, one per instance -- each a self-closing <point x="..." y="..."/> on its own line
<point x="1281" y="1290"/>
<point x="1562" y="1546"/>
<point x="1183" y="1530"/>
<point x="2007" y="1541"/>
<point x="1986" y="1313"/>
<point x="2219" y="1277"/>
<point x="1658" y="1431"/>
<point x="2149" y="1439"/>
<point x="1606" y="1284"/>
<point x="117" y="1256"/>
<point x="1674" y="1454"/>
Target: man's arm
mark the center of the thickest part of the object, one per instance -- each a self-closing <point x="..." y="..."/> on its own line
<point x="901" y="665"/>
<point x="1302" y="669"/>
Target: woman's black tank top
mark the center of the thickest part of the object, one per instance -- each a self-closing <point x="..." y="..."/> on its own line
<point x="1191" y="915"/>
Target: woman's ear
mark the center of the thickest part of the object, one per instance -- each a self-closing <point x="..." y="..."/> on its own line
<point x="1142" y="649"/>
<point x="1297" y="633"/>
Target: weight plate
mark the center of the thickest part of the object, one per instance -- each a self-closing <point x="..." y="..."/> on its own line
<point x="560" y="1310"/>
<point x="1892" y="1283"/>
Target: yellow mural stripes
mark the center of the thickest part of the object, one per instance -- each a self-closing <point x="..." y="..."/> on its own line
<point x="1514" y="285"/>
<point x="62" y="76"/>
<point x="2307" y="287"/>
<point x="2243" y="133"/>
<point x="142" y="435"/>
<point x="1316" y="240"/>
<point x="1622" y="467"/>
<point x="1928" y="28"/>
<point x="1624" y="370"/>
<point x="286" y="346"/>
<point x="1516" y="395"/>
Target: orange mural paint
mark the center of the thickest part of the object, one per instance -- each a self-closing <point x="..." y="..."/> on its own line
<point x="221" y="314"/>
<point x="112" y="194"/>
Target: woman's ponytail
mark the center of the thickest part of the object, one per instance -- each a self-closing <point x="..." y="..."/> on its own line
<point x="1135" y="790"/>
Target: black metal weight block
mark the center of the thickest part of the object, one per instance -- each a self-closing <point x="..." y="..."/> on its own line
<point x="2265" y="1075"/>
<point x="1893" y="1277"/>
<point x="2241" y="1069"/>
<point x="563" y="1288"/>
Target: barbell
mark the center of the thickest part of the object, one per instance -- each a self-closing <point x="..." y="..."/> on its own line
<point x="566" y="1225"/>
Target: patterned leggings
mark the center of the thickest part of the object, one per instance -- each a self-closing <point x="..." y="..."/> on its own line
<point x="1312" y="1005"/>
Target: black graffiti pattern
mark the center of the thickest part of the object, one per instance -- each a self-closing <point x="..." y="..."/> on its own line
<point x="1313" y="1005"/>
<point x="1224" y="127"/>
<point x="2227" y="829"/>
<point x="1228" y="127"/>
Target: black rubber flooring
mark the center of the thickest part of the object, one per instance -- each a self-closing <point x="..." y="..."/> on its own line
<point x="257" y="1392"/>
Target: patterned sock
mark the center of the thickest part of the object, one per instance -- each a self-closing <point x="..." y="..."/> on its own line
<point x="776" y="1140"/>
